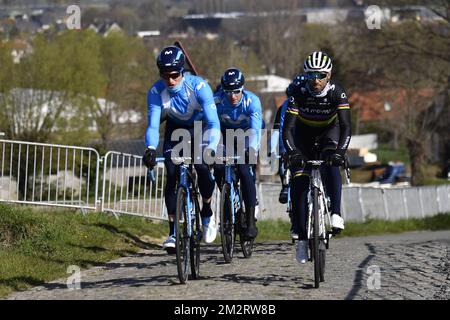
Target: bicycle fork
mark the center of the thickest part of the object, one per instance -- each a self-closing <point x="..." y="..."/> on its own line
<point x="324" y="214"/>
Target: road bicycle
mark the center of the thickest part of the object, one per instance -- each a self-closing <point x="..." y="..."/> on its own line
<point x="232" y="212"/>
<point x="319" y="229"/>
<point x="187" y="221"/>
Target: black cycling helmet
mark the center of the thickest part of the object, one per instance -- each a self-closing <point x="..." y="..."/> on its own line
<point x="232" y="79"/>
<point x="170" y="59"/>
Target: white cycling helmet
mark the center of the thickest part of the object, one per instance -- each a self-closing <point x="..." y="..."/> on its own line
<point x="318" y="61"/>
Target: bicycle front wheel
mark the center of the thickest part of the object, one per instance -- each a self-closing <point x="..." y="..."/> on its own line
<point x="226" y="223"/>
<point x="315" y="240"/>
<point x="322" y="256"/>
<point x="182" y="236"/>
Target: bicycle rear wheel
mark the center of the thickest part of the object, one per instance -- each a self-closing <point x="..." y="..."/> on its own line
<point x="227" y="233"/>
<point x="195" y="242"/>
<point x="246" y="244"/>
<point x="315" y="240"/>
<point x="182" y="236"/>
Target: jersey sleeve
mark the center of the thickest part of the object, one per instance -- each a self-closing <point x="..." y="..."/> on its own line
<point x="282" y="117"/>
<point x="154" y="106"/>
<point x="341" y="99"/>
<point x="206" y="99"/>
<point x="290" y="119"/>
<point x="255" y="123"/>
<point x="345" y="126"/>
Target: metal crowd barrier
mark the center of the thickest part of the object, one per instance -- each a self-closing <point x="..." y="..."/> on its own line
<point x="128" y="188"/>
<point x="68" y="176"/>
<point x="48" y="174"/>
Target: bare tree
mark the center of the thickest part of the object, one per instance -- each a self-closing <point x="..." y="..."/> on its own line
<point x="412" y="62"/>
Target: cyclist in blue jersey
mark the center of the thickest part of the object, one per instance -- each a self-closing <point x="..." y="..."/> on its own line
<point x="277" y="140"/>
<point x="181" y="99"/>
<point x="317" y="111"/>
<point x="241" y="109"/>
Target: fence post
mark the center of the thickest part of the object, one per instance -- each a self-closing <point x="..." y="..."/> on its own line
<point x="405" y="203"/>
<point x="361" y="203"/>
<point x="421" y="201"/>
<point x="386" y="212"/>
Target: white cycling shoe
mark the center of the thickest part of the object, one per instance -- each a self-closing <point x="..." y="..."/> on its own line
<point x="169" y="243"/>
<point x="209" y="230"/>
<point x="337" y="222"/>
<point x="301" y="253"/>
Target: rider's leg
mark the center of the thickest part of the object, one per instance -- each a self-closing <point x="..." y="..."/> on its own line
<point x="219" y="174"/>
<point x="206" y="186"/>
<point x="170" y="196"/>
<point x="299" y="194"/>
<point x="332" y="179"/>
<point x="283" y="197"/>
<point x="248" y="189"/>
<point x="333" y="184"/>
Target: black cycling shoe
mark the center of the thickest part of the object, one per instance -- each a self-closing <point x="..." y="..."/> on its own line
<point x="171" y="250"/>
<point x="283" y="198"/>
<point x="335" y="231"/>
<point x="252" y="230"/>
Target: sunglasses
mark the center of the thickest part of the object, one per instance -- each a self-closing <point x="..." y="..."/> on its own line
<point x="167" y="76"/>
<point x="316" y="75"/>
<point x="231" y="92"/>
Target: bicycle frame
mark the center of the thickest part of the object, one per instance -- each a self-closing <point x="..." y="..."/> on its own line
<point x="186" y="180"/>
<point x="231" y="179"/>
<point x="315" y="181"/>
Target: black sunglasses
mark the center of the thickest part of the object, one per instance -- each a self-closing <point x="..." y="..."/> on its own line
<point x="167" y="76"/>
<point x="316" y="75"/>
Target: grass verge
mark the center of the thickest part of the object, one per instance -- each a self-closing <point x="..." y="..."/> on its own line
<point x="38" y="245"/>
<point x="279" y="230"/>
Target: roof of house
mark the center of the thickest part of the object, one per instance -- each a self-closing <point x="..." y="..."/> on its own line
<point x="388" y="103"/>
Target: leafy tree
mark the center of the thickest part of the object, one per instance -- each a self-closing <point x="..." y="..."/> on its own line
<point x="48" y="84"/>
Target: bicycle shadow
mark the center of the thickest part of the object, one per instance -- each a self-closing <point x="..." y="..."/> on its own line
<point x="359" y="275"/>
<point x="128" y="236"/>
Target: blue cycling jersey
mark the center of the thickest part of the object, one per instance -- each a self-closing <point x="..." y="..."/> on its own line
<point x="282" y="114"/>
<point x="245" y="115"/>
<point x="276" y="139"/>
<point x="191" y="100"/>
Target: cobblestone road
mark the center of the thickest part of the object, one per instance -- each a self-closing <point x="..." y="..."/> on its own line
<point x="411" y="266"/>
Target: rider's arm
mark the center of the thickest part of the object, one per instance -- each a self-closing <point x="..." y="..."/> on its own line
<point x="345" y="125"/>
<point x="206" y="99"/>
<point x="255" y="123"/>
<point x="276" y="138"/>
<point x="283" y="109"/>
<point x="290" y="120"/>
<point x="154" y="114"/>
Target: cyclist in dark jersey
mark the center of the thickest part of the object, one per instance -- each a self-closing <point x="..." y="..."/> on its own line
<point x="317" y="110"/>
